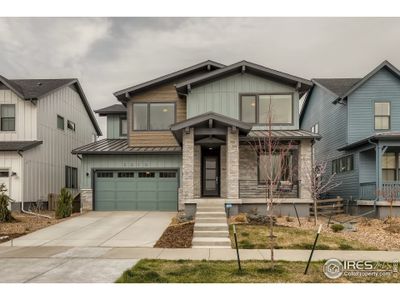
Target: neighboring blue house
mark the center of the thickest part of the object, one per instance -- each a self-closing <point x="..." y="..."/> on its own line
<point x="359" y="121"/>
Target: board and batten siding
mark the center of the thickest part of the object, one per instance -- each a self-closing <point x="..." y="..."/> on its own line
<point x="44" y="165"/>
<point x="164" y="93"/>
<point x="120" y="162"/>
<point x="383" y="86"/>
<point x="222" y="96"/>
<point x="332" y="123"/>
<point x="25" y="118"/>
<point x="12" y="162"/>
<point x="113" y="127"/>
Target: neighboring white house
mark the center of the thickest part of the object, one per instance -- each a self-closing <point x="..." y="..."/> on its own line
<point x="41" y="121"/>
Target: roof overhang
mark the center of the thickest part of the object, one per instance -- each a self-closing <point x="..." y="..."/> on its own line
<point x="384" y="136"/>
<point x="281" y="135"/>
<point x="19" y="146"/>
<point x="209" y="128"/>
<point x="301" y="84"/>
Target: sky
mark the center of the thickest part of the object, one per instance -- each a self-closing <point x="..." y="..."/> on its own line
<point x="110" y="54"/>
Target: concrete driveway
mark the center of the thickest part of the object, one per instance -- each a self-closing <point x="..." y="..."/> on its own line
<point x="101" y="229"/>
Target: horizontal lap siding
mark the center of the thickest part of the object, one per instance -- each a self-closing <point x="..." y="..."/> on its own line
<point x="383" y="86"/>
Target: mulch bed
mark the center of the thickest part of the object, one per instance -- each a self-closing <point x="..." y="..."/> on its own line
<point x="176" y="236"/>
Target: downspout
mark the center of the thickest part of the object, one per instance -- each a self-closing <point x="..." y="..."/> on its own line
<point x="22" y="191"/>
<point x="377" y="157"/>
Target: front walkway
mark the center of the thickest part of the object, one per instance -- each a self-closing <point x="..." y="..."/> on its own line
<point x="105" y="264"/>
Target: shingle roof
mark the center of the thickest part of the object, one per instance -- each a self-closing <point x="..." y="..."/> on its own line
<point x="339" y="86"/>
<point x="384" y="136"/>
<point x="282" y="135"/>
<point x="112" y="109"/>
<point x="19" y="145"/>
<point x="120" y="146"/>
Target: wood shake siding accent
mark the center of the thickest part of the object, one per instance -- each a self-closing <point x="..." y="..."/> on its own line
<point x="164" y="93"/>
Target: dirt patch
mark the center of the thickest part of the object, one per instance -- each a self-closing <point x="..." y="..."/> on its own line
<point x="176" y="236"/>
<point x="26" y="223"/>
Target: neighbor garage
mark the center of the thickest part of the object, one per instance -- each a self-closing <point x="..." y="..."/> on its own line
<point x="129" y="190"/>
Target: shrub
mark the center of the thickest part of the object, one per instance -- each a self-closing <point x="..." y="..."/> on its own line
<point x="289" y="219"/>
<point x="64" y="204"/>
<point x="337" y="227"/>
<point x="255" y="219"/>
<point x="241" y="218"/>
<point x="5" y="214"/>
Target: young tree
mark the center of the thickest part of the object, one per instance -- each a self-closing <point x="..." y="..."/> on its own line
<point x="5" y="214"/>
<point x="389" y="193"/>
<point x="274" y="162"/>
<point x="320" y="183"/>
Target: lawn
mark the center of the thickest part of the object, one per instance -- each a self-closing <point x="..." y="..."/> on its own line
<point x="257" y="237"/>
<point x="185" y="271"/>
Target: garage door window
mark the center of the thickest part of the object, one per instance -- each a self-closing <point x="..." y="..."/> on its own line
<point x="105" y="175"/>
<point x="167" y="174"/>
<point x="126" y="174"/>
<point x="147" y="174"/>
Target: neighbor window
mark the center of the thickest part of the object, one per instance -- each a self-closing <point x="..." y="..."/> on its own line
<point x="7" y="117"/>
<point x="382" y="115"/>
<point x="123" y="128"/>
<point x="315" y="128"/>
<point x="60" y="122"/>
<point x="153" y="116"/>
<point x="4" y="173"/>
<point x="265" y="109"/>
<point x="343" y="164"/>
<point x="389" y="166"/>
<point x="71" y="125"/>
<point x="71" y="177"/>
<point x="281" y="167"/>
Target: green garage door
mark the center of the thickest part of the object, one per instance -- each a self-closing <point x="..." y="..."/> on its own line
<point x="136" y="190"/>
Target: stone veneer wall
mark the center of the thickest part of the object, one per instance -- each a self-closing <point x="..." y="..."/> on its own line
<point x="187" y="167"/>
<point x="86" y="199"/>
<point x="305" y="162"/>
<point x="197" y="171"/>
<point x="223" y="171"/>
<point x="232" y="165"/>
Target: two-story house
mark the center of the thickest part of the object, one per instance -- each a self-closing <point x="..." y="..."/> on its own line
<point x="41" y="121"/>
<point x="359" y="121"/>
<point x="183" y="138"/>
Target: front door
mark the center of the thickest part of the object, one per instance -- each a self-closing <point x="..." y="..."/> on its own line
<point x="211" y="175"/>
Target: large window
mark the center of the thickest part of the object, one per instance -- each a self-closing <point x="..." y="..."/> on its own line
<point x="280" y="169"/>
<point x="7" y="115"/>
<point x="265" y="109"/>
<point x="343" y="164"/>
<point x="382" y="115"/>
<point x="71" y="177"/>
<point x="153" y="116"/>
<point x="123" y="128"/>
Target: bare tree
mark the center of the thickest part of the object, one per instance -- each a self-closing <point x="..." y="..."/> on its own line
<point x="274" y="162"/>
<point x="319" y="183"/>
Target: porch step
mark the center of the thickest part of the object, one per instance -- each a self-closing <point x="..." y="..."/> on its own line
<point x="210" y="220"/>
<point x="211" y="242"/>
<point x="210" y="227"/>
<point x="205" y="233"/>
<point x="210" y="209"/>
<point x="210" y="214"/>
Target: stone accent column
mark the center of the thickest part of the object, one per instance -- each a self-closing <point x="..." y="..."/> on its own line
<point x="187" y="167"/>
<point x="232" y="164"/>
<point x="86" y="199"/>
<point x="304" y="166"/>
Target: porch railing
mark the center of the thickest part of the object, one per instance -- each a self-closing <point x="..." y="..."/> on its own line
<point x="390" y="190"/>
<point x="255" y="189"/>
<point x="368" y="191"/>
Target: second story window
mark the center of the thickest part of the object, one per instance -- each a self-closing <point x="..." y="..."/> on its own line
<point x="315" y="128"/>
<point x="382" y="115"/>
<point x="7" y="115"/>
<point x="60" y="122"/>
<point x="153" y="116"/>
<point x="71" y="125"/>
<point x="123" y="128"/>
<point x="265" y="108"/>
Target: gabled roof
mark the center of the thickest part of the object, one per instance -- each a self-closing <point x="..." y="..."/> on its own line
<point x="120" y="146"/>
<point x="208" y="65"/>
<point x="115" y="109"/>
<point x="34" y="89"/>
<point x="244" y="66"/>
<point x="19" y="145"/>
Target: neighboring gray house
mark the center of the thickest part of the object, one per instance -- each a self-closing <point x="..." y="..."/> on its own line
<point x="359" y="121"/>
<point x="180" y="140"/>
<point x="41" y="121"/>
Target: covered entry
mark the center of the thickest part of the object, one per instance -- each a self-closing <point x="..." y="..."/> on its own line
<point x="136" y="190"/>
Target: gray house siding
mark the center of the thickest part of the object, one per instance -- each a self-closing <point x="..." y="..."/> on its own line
<point x="332" y="123"/>
<point x="113" y="127"/>
<point x="383" y="86"/>
<point x="222" y="96"/>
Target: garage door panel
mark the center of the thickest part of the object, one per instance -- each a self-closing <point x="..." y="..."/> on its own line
<point x="106" y="185"/>
<point x="126" y="196"/>
<point x="126" y="205"/>
<point x="105" y="205"/>
<point x="167" y="205"/>
<point x="105" y="195"/>
<point x="167" y="186"/>
<point x="147" y="205"/>
<point x="147" y="185"/>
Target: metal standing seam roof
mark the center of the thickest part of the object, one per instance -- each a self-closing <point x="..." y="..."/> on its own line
<point x="19" y="145"/>
<point x="120" y="146"/>
<point x="282" y="134"/>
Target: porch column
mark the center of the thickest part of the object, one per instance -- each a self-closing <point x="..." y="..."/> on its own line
<point x="304" y="169"/>
<point x="187" y="167"/>
<point x="232" y="163"/>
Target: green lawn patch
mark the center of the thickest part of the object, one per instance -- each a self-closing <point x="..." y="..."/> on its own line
<point x="185" y="271"/>
<point x="257" y="237"/>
